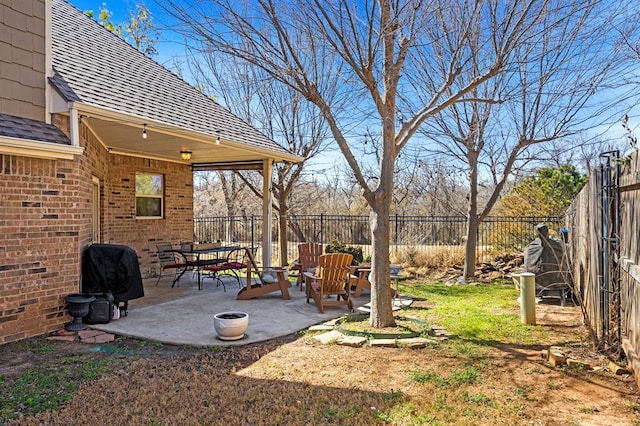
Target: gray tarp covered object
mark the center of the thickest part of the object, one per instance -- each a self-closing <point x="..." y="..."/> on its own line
<point x="545" y="257"/>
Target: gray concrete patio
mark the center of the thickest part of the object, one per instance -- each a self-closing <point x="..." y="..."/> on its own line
<point x="184" y="315"/>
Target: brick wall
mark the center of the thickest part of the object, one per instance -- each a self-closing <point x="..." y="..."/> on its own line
<point x="120" y="223"/>
<point x="22" y="58"/>
<point x="117" y="200"/>
<point x="39" y="234"/>
<point x="46" y="214"/>
<point x="46" y="223"/>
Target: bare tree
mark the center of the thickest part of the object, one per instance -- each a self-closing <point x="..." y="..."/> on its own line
<point x="583" y="153"/>
<point x="546" y="93"/>
<point x="438" y="190"/>
<point x="221" y="193"/>
<point x="395" y="65"/>
<point x="278" y="111"/>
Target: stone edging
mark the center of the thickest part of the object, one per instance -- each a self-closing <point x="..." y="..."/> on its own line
<point x="333" y="336"/>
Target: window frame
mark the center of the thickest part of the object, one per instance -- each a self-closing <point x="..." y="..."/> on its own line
<point x="160" y="196"/>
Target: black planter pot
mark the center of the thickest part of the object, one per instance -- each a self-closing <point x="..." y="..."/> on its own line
<point x="78" y="307"/>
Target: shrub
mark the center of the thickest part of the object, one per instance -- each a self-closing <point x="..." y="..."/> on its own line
<point x="339" y="247"/>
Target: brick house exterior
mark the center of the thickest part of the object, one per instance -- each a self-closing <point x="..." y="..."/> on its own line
<point x="70" y="148"/>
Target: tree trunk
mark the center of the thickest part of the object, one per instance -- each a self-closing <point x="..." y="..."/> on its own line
<point x="472" y="220"/>
<point x="381" y="312"/>
<point x="470" y="249"/>
<point x="228" y="190"/>
<point x="295" y="228"/>
<point x="283" y="212"/>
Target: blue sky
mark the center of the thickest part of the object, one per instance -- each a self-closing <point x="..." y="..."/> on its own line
<point x="119" y="8"/>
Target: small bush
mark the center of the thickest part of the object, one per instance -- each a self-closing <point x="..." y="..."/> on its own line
<point x="339" y="247"/>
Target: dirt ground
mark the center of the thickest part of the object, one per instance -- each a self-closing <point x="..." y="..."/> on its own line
<point x="295" y="380"/>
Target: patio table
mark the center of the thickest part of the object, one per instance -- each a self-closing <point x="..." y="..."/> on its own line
<point x="197" y="261"/>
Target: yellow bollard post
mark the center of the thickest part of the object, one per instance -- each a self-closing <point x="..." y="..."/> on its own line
<point x="528" y="298"/>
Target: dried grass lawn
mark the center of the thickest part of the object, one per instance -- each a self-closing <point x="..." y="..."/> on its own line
<point x="295" y="381"/>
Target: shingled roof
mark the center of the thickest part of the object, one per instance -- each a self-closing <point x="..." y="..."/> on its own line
<point x="34" y="130"/>
<point x="95" y="67"/>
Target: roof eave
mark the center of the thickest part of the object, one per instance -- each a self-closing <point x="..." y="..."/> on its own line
<point x="103" y="113"/>
<point x="38" y="149"/>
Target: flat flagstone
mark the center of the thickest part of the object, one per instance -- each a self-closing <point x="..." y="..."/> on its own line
<point x="415" y="342"/>
<point x="330" y="337"/>
<point x="353" y="341"/>
<point x="87" y="334"/>
<point x="101" y="338"/>
<point x="334" y="336"/>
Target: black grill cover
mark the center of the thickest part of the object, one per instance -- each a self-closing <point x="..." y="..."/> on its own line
<point x="114" y="268"/>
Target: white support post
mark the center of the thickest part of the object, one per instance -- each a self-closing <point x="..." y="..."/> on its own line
<point x="267" y="199"/>
<point x="74" y="128"/>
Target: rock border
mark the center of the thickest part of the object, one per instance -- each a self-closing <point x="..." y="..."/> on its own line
<point x="331" y="335"/>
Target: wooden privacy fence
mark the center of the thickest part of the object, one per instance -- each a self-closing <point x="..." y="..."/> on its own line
<point x="604" y="220"/>
<point x="421" y="233"/>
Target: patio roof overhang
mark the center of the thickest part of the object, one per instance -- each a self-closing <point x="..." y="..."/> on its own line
<point x="122" y="133"/>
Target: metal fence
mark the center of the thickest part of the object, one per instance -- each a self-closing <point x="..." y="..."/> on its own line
<point x="420" y="232"/>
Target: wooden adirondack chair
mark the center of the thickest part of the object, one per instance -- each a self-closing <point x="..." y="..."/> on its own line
<point x="359" y="280"/>
<point x="331" y="279"/>
<point x="265" y="285"/>
<point x="308" y="258"/>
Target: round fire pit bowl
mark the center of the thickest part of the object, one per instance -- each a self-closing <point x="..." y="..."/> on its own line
<point x="231" y="325"/>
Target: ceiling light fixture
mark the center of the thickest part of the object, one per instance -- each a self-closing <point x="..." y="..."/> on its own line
<point x="144" y="131"/>
<point x="218" y="138"/>
<point x="186" y="155"/>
